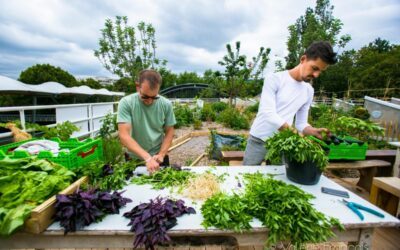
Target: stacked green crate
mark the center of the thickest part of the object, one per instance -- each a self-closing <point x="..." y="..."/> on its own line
<point x="346" y="148"/>
<point x="79" y="152"/>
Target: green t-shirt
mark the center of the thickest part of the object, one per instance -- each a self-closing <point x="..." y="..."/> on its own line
<point x="147" y="121"/>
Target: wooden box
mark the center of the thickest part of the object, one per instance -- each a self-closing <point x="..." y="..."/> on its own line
<point x="42" y="215"/>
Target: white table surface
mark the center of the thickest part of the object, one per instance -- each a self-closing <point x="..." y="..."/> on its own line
<point x="327" y="204"/>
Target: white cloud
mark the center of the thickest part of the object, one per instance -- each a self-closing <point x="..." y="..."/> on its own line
<point x="191" y="35"/>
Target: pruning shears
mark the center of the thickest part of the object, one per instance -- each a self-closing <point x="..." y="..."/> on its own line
<point x="355" y="207"/>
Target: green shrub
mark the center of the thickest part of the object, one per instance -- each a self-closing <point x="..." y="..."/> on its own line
<point x="232" y="118"/>
<point x="207" y="113"/>
<point x="219" y="106"/>
<point x="253" y="108"/>
<point x="197" y="124"/>
<point x="183" y="115"/>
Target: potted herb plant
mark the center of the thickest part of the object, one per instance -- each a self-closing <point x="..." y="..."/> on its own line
<point x="304" y="158"/>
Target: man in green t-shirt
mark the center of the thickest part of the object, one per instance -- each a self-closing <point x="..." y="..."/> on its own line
<point x="146" y="121"/>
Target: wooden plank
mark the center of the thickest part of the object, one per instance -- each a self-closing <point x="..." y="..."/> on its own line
<point x="389" y="184"/>
<point x="358" y="164"/>
<point x="200" y="133"/>
<point x="197" y="159"/>
<point x="232" y="155"/>
<point x="214" y="247"/>
<point x="179" y="144"/>
<point x="180" y="139"/>
<point x="42" y="215"/>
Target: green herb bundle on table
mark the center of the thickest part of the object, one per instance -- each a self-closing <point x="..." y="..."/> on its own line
<point x="284" y="209"/>
<point x="165" y="178"/>
<point x="24" y="184"/>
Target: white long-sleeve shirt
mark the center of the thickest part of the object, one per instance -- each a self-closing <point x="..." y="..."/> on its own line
<point x="282" y="98"/>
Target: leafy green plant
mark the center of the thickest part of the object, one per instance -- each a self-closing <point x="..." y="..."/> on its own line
<point x="226" y="212"/>
<point x="113" y="152"/>
<point x="107" y="176"/>
<point x="167" y="177"/>
<point x="357" y="128"/>
<point x="62" y="130"/>
<point x="286" y="211"/>
<point x="197" y="124"/>
<point x="232" y="118"/>
<point x="207" y="113"/>
<point x="252" y="108"/>
<point x="295" y="147"/>
<point x="219" y="106"/>
<point x="24" y="184"/>
<point x="109" y="125"/>
<point x="183" y="115"/>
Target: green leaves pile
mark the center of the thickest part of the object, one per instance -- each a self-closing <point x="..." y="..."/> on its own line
<point x="24" y="184"/>
<point x="295" y="147"/>
<point x="226" y="212"/>
<point x="107" y="176"/>
<point x="284" y="209"/>
<point x="167" y="177"/>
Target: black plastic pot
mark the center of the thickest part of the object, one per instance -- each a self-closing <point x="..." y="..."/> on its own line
<point x="306" y="173"/>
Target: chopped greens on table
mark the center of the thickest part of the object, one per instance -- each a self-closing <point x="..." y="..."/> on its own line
<point x="164" y="178"/>
<point x="24" y="184"/>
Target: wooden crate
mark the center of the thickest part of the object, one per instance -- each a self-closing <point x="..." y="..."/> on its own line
<point x="42" y="215"/>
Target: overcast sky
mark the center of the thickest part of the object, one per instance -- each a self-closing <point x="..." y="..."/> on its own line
<point x="191" y="35"/>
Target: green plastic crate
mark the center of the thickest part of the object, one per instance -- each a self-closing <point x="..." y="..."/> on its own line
<point x="345" y="151"/>
<point x="80" y="152"/>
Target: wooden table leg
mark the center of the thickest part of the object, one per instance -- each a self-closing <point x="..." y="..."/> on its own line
<point x="366" y="177"/>
<point x="365" y="240"/>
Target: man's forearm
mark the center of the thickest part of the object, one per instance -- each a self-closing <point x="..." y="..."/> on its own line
<point x="169" y="135"/>
<point x="134" y="147"/>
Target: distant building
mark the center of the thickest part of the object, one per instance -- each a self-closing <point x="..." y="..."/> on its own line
<point x="103" y="80"/>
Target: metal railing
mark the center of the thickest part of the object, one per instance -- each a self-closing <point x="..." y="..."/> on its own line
<point x="90" y="118"/>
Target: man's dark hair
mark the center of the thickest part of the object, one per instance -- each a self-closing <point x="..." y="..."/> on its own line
<point x="322" y="50"/>
<point x="150" y="75"/>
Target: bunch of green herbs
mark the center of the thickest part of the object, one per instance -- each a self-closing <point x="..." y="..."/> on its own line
<point x="295" y="147"/>
<point x="164" y="178"/>
<point x="286" y="211"/>
<point x="226" y="212"/>
<point x="107" y="176"/>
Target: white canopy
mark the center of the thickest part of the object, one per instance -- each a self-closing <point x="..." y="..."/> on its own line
<point x="10" y="85"/>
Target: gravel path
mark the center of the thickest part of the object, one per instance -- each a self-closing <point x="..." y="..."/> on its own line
<point x="185" y="154"/>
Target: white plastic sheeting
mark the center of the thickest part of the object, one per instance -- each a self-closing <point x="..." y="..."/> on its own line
<point x="13" y="86"/>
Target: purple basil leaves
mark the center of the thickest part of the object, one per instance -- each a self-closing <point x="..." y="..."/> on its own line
<point x="150" y="221"/>
<point x="82" y="208"/>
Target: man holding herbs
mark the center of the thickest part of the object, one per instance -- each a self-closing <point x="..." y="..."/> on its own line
<point x="285" y="95"/>
<point x="146" y="122"/>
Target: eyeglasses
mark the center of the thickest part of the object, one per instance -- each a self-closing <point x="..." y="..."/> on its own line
<point x="145" y="97"/>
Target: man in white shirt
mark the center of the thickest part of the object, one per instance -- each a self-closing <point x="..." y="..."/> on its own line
<point x="285" y="95"/>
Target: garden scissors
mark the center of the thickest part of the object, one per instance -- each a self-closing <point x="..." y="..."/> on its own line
<point x="355" y="207"/>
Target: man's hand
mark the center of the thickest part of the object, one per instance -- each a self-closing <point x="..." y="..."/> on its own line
<point x="159" y="158"/>
<point x="317" y="132"/>
<point x="152" y="165"/>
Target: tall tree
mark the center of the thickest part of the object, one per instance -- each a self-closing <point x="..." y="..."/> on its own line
<point x="91" y="83"/>
<point x="125" y="51"/>
<point x="377" y="68"/>
<point x="188" y="77"/>
<point x="317" y="24"/>
<point x="238" y="71"/>
<point x="168" y="78"/>
<point x="41" y="73"/>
